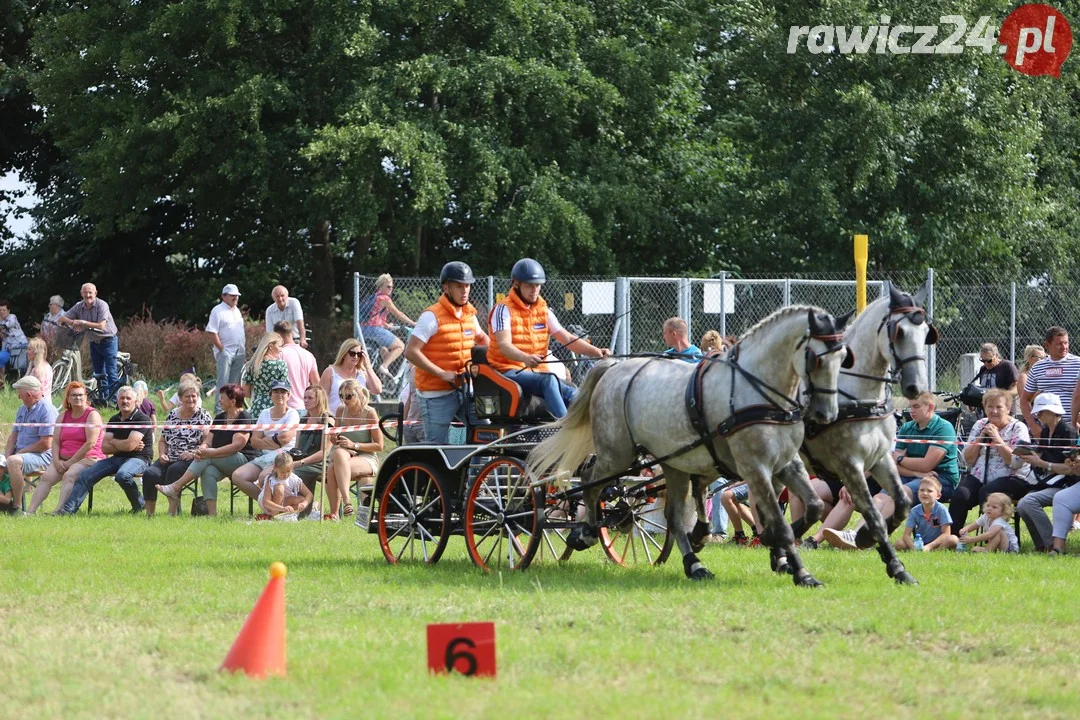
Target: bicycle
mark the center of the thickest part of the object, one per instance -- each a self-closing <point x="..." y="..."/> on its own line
<point x="394" y="381"/>
<point x="68" y="367"/>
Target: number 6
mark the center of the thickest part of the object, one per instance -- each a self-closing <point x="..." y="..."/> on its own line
<point x="452" y="657"/>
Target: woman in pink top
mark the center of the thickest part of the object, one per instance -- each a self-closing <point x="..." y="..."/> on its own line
<point x="73" y="448"/>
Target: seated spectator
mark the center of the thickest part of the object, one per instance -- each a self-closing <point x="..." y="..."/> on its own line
<point x="130" y="450"/>
<point x="994" y="527"/>
<point x="219" y="455"/>
<point x="176" y="445"/>
<point x="351" y="363"/>
<point x="263" y="370"/>
<point x="995" y="372"/>
<point x="302" y="368"/>
<point x="308" y="452"/>
<point x="375" y="309"/>
<point x="282" y="492"/>
<point x="51" y="322"/>
<point x="29" y="447"/>
<point x="76" y="447"/>
<point x="269" y="443"/>
<point x="13" y="343"/>
<point x="1052" y="471"/>
<point x="740" y="508"/>
<point x="144" y="403"/>
<point x="286" y="309"/>
<point x="7" y="501"/>
<point x="353" y="456"/>
<point x="992" y="465"/>
<point x="37" y="364"/>
<point x="929" y="520"/>
<point x="678" y="341"/>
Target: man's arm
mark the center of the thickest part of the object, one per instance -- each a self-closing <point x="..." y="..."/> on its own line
<point x="134" y="440"/>
<point x="215" y="339"/>
<point x="579" y="345"/>
<point x="43" y="443"/>
<point x="925" y="464"/>
<point x="414" y="353"/>
<point x="13" y="437"/>
<point x="504" y="340"/>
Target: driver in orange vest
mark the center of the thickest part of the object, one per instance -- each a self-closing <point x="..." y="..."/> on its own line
<point x="521" y="325"/>
<point x="440" y="345"/>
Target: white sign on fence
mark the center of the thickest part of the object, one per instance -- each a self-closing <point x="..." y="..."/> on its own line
<point x="598" y="298"/>
<point x="719" y="297"/>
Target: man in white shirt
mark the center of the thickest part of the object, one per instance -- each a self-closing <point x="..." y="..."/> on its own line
<point x="226" y="331"/>
<point x="303" y="369"/>
<point x="287" y="309"/>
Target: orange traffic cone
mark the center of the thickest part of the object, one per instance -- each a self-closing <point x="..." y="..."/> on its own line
<point x="259" y="649"/>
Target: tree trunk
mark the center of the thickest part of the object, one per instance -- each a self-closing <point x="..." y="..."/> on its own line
<point x="322" y="265"/>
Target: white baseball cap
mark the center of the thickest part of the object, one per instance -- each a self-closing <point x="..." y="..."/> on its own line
<point x="230" y="289"/>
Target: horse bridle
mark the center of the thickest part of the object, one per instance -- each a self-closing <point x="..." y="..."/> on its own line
<point x="833" y="343"/>
<point x="917" y="316"/>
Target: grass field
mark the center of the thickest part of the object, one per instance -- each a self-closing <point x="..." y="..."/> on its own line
<point x="119" y="616"/>
<point x="111" y="615"/>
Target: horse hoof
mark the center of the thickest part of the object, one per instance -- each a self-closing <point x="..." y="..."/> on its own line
<point x="701" y="574"/>
<point x="808" y="581"/>
<point x="905" y="578"/>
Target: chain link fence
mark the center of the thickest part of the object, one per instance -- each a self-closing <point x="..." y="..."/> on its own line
<point x="627" y="313"/>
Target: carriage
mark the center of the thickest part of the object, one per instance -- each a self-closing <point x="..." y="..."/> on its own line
<point x="424" y="494"/>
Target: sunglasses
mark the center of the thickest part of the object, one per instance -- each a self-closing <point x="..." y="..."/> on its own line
<point x="986" y="360"/>
<point x="356" y="353"/>
<point x="350" y="396"/>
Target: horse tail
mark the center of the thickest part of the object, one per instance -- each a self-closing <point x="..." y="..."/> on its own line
<point x="564" y="451"/>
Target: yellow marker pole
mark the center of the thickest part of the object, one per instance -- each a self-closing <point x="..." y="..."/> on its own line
<point x="861" y="256"/>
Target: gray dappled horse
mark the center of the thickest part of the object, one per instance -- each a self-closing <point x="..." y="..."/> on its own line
<point x="739" y="412"/>
<point x="889" y="337"/>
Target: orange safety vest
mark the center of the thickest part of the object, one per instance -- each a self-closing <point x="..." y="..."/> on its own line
<point x="528" y="332"/>
<point x="450" y="348"/>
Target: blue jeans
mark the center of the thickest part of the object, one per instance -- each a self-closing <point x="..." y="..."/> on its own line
<point x="123" y="469"/>
<point x="719" y="515"/>
<point x="437" y="414"/>
<point x="230" y="365"/>
<point x="557" y="394"/>
<point x="103" y="355"/>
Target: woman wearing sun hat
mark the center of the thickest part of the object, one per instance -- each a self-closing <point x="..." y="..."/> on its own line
<point x="1048" y="458"/>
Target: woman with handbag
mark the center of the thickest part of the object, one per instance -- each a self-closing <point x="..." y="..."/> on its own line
<point x="989" y="454"/>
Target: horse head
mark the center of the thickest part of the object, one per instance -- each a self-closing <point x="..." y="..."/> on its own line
<point x="903" y="334"/>
<point x="819" y="360"/>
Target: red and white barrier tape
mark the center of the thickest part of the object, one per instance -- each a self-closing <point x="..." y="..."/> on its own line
<point x="243" y="427"/>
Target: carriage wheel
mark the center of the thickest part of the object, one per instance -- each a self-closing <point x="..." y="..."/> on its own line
<point x="500" y="515"/>
<point x="633" y="529"/>
<point x="556" y="520"/>
<point x="414" y="515"/>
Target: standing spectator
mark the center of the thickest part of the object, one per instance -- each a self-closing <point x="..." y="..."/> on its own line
<point x="14" y="340"/>
<point x="1056" y="374"/>
<point x="351" y="363"/>
<point x="678" y="341"/>
<point x="412" y="429"/>
<point x="995" y="372"/>
<point x="76" y="447"/>
<point x="37" y="364"/>
<point x="1032" y="355"/>
<point x="51" y="322"/>
<point x="131" y="449"/>
<point x="176" y="445"/>
<point x="93" y="316"/>
<point x="226" y="331"/>
<point x="29" y="448"/>
<point x="287" y="309"/>
<point x="375" y="310"/>
<point x="440" y="346"/>
<point x="263" y="370"/>
<point x="303" y="369"/>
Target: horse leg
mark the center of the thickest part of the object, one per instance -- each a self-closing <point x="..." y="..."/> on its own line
<point x="676" y="513"/>
<point x="876" y="527"/>
<point x="797" y="481"/>
<point x="776" y="533"/>
<point x="702" y="529"/>
<point x="586" y="531"/>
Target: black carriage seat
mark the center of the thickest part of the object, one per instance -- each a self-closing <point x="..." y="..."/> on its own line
<point x="497" y="397"/>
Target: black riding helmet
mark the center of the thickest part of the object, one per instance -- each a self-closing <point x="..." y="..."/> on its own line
<point x="527" y="270"/>
<point x="456" y="271"/>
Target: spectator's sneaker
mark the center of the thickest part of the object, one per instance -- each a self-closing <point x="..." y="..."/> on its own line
<point x="809" y="544"/>
<point x="287" y="517"/>
<point x="137" y="510"/>
<point x="741" y="540"/>
<point x="840" y="539"/>
<point x="263" y="516"/>
<point x="754" y="542"/>
<point x="167" y="491"/>
<point x="717" y="538"/>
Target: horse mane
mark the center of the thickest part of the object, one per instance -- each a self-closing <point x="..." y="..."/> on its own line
<point x="776" y="315"/>
<point x="864" y="316"/>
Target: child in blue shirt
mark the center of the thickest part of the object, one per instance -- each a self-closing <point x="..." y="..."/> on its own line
<point x="929" y="519"/>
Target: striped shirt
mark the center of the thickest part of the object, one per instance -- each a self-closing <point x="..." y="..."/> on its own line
<point x="1056" y="376"/>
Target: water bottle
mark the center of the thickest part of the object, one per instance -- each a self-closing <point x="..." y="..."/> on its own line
<point x="961" y="547"/>
<point x="918" y="543"/>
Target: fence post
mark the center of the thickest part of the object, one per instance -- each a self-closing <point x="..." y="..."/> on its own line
<point x="622" y="317"/>
<point x="685" y="306"/>
<point x="1012" y="322"/>
<point x="723" y="305"/>
<point x="356" y="305"/>
<point x="931" y="361"/>
<point x="491" y="293"/>
<point x="787" y="291"/>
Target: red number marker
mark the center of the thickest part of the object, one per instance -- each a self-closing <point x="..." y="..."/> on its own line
<point x="466" y="648"/>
